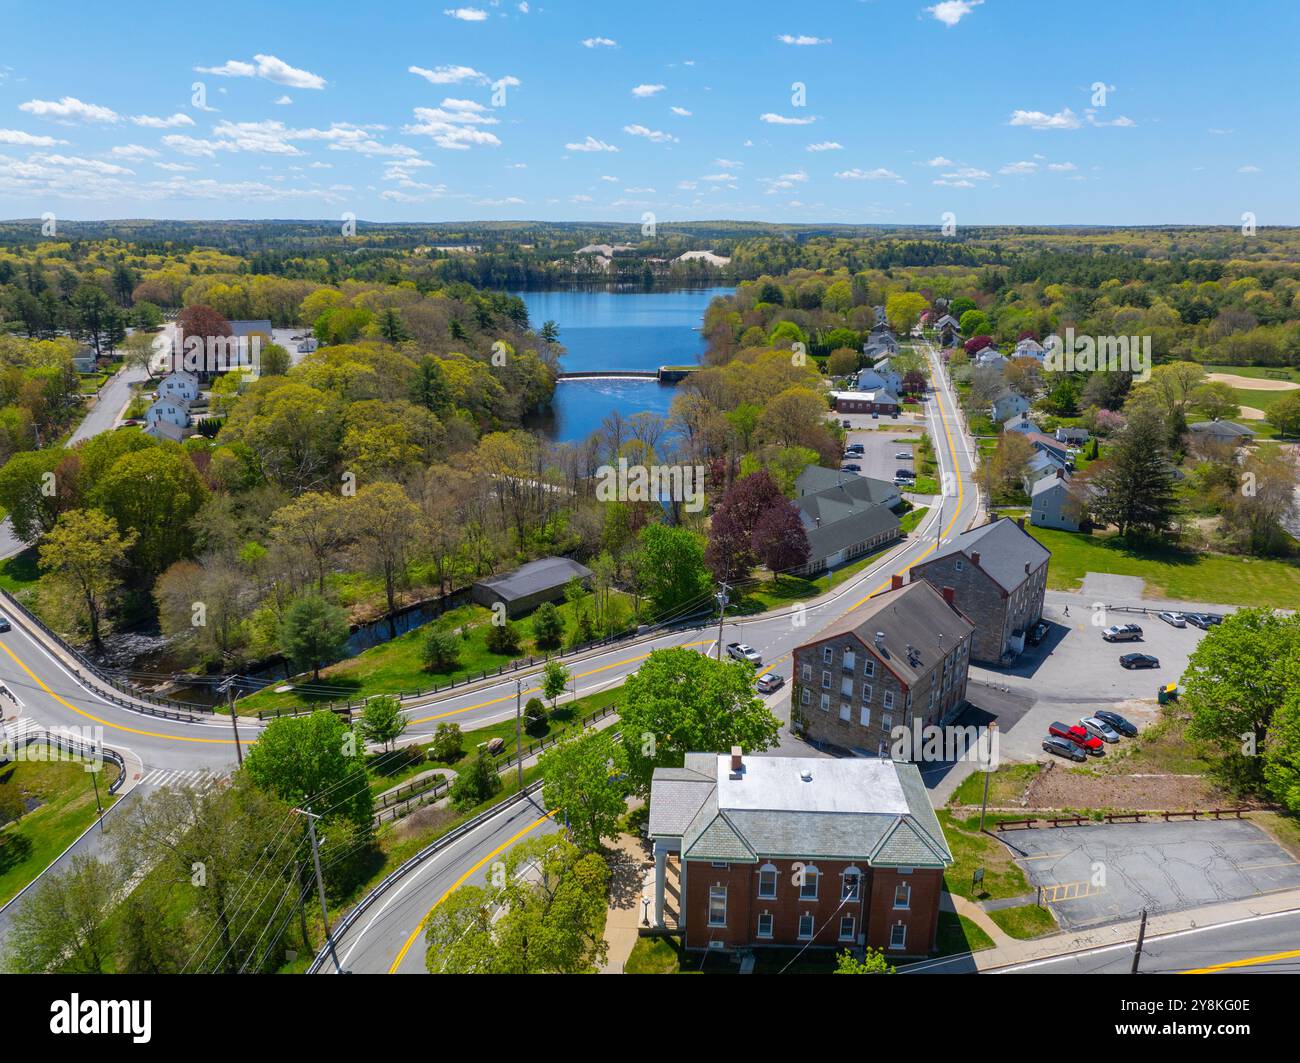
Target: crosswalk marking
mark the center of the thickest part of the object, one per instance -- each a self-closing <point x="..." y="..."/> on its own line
<point x="199" y="779"/>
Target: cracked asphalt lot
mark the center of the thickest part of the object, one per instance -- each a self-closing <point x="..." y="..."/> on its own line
<point x="1104" y="873"/>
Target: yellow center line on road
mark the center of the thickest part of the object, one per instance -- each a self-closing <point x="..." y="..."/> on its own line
<point x="1250" y="961"/>
<point x="105" y="723"/>
<point x="458" y="883"/>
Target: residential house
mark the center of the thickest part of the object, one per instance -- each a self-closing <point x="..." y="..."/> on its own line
<point x="85" y="360"/>
<point x="798" y="852"/>
<point x="989" y="358"/>
<point x="1223" y="431"/>
<point x="165" y="430"/>
<point x="884" y="368"/>
<point x="1052" y="503"/>
<point x="1022" y="424"/>
<point x="877" y="401"/>
<point x="178" y="384"/>
<point x="844" y="516"/>
<point x="869" y="380"/>
<point x="899" y="659"/>
<point x="1043" y="463"/>
<point x="172" y="410"/>
<point x="998" y="572"/>
<point x="1051" y="445"/>
<point x="1029" y="348"/>
<point x="1074" y="437"/>
<point x="307" y="345"/>
<point x="1007" y="405"/>
<point x="528" y="586"/>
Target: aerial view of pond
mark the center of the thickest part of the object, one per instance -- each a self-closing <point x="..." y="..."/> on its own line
<point x="604" y="330"/>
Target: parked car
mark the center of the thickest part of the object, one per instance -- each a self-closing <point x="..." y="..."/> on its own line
<point x="907" y="474"/>
<point x="1204" y="621"/>
<point x="856" y="448"/>
<point x="4" y="623"/>
<point x="850" y="466"/>
<point x="903" y="455"/>
<point x="1063" y="748"/>
<point x="1139" y="660"/>
<point x="1099" y="728"/>
<point x="1122" y="633"/>
<point x="1117" y="722"/>
<point x="1079" y="736"/>
<point x="847" y="423"/>
<point x="1173" y="619"/>
<point x="1036" y="634"/>
<point x="740" y="652"/>
<point x="770" y="682"/>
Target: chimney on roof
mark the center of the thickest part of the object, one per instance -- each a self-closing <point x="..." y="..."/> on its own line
<point x="737" y="763"/>
<point x="975" y="558"/>
<point x="1060" y="475"/>
<point x="949" y="595"/>
<point x="1026" y="568"/>
<point x="895" y="581"/>
<point x="880" y="640"/>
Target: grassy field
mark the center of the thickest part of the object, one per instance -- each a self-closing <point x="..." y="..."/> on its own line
<point x="20" y="572"/>
<point x="397" y="666"/>
<point x="1172" y="573"/>
<point x="1006" y="785"/>
<point x="1261" y="372"/>
<point x="1163" y="748"/>
<point x="771" y="594"/>
<point x="1028" y="921"/>
<point x="656" y="955"/>
<point x="65" y="794"/>
<point x="913" y="517"/>
<point x="957" y="934"/>
<point x="971" y="849"/>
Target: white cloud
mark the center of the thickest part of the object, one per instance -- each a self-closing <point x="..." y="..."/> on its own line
<point x="718" y="178"/>
<point x="653" y="135"/>
<point x="802" y="40"/>
<point x="466" y="14"/>
<point x="950" y="12"/>
<point x="448" y="75"/>
<point x="1061" y="167"/>
<point x="175" y="167"/>
<point x="268" y="68"/>
<point x="590" y="144"/>
<point x="581" y="198"/>
<point x="1122" y="122"/>
<point x="451" y="125"/>
<point x="133" y="151"/>
<point x="780" y="119"/>
<point x="599" y="42"/>
<point x="231" y="68"/>
<point x="73" y="162"/>
<point x="643" y="91"/>
<point x="27" y="140"/>
<point x="1019" y="168"/>
<point x="878" y="174"/>
<point x="70" y="108"/>
<point x="826" y="145"/>
<point x="939" y="160"/>
<point x="728" y="164"/>
<point x="283" y="101"/>
<point x="1248" y="169"/>
<point x="681" y="112"/>
<point x="607" y="177"/>
<point x="1063" y="119"/>
<point x="149" y="121"/>
<point x="950" y="183"/>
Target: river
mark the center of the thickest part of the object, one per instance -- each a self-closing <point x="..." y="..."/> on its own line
<point x="613" y="330"/>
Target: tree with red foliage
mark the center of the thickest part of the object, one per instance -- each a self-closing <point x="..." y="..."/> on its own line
<point x="780" y="540"/>
<point x="977" y="343"/>
<point x="729" y="554"/>
<point x="914" y="382"/>
<point x="201" y="321"/>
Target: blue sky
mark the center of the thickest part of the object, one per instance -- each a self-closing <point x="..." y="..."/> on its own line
<point x="566" y="110"/>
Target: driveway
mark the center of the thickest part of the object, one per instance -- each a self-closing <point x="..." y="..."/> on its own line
<point x="1104" y="873"/>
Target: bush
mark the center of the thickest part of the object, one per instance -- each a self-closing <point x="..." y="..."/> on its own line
<point x="503" y="638"/>
<point x="476" y="784"/>
<point x="441" y="651"/>
<point x="548" y="626"/>
<point x="447" y="745"/>
<point x="535" y="719"/>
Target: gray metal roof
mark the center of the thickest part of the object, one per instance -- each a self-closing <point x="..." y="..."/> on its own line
<point x="1004" y="548"/>
<point x="548" y="573"/>
<point x="1223" y="429"/>
<point x="872" y="810"/>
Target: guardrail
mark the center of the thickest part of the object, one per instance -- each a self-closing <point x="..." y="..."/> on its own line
<point x="1196" y="814"/>
<point x="69" y="745"/>
<point x="400" y="872"/>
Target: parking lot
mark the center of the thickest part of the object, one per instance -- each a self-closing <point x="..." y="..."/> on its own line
<point x="1103" y="873"/>
<point x="879" y="447"/>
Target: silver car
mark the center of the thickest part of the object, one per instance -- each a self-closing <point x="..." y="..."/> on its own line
<point x="1099" y="729"/>
<point x="1173" y="619"/>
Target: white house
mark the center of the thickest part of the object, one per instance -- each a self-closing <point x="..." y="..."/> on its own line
<point x="890" y="377"/>
<point x="307" y="345"/>
<point x="175" y="411"/>
<point x="179" y="385"/>
<point x="1073" y="436"/>
<point x="1053" y="506"/>
<point x="1008" y="405"/>
<point x="870" y="380"/>
<point x="1021" y="424"/>
<point x="165" y="430"/>
<point x="1030" y="348"/>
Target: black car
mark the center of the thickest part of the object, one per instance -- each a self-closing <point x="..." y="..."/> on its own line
<point x="1139" y="660"/>
<point x="1204" y="621"/>
<point x="4" y="623"/>
<point x="1062" y="748"/>
<point x="850" y="467"/>
<point x="1123" y="726"/>
<point x="906" y="474"/>
<point x="1037" y="633"/>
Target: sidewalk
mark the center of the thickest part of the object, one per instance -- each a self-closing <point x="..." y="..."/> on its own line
<point x="631" y="880"/>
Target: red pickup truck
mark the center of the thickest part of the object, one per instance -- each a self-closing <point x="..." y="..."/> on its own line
<point x="1080" y="737"/>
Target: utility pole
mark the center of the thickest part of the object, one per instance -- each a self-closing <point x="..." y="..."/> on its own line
<point x="519" y="742"/>
<point x="320" y="883"/>
<point x="988" y="771"/>
<point x="229" y="684"/>
<point x="721" y="596"/>
<point x="95" y="782"/>
<point x="1142" y="933"/>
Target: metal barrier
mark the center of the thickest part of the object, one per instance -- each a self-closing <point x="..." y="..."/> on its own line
<point x="73" y="746"/>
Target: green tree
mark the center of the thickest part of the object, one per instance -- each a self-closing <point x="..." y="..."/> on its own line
<point x="304" y="758"/>
<point x="447" y="744"/>
<point x="548" y="626"/>
<point x="476" y="783"/>
<point x="386" y="523"/>
<point x="1134" y="485"/>
<point x="85" y="553"/>
<point x="582" y="786"/>
<point x="535" y="717"/>
<point x="873" y="962"/>
<point x="903" y="310"/>
<point x="313" y="631"/>
<point x="32" y="492"/>
<point x="680" y="702"/>
<point x="549" y="921"/>
<point x="550" y="332"/>
<point x="555" y="677"/>
<point x="64" y="926"/>
<point x="502" y="638"/>
<point x="441" y="651"/>
<point x="674" y="576"/>
<point x="382" y="720"/>
<point x="1284" y="415"/>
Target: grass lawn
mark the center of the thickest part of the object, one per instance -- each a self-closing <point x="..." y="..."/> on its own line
<point x="771" y="594"/>
<point x="1282" y="827"/>
<point x="957" y="934"/>
<point x="925" y="485"/>
<point x="1161" y="749"/>
<point x="20" y="572"/>
<point x="397" y="666"/>
<point x="1263" y="372"/>
<point x="913" y="517"/>
<point x="1170" y="572"/>
<point x="66" y="796"/>
<point x="1028" y="921"/>
<point x="1006" y="785"/>
<point x="657" y="955"/>
<point x="971" y="849"/>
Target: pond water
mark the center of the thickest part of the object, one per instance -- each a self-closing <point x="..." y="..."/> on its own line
<point x="612" y="330"/>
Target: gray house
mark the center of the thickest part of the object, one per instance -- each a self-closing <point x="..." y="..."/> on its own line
<point x="529" y="585"/>
<point x="844" y="516"/>
<point x="1008" y="405"/>
<point x="1052" y="504"/>
<point x="1224" y="431"/>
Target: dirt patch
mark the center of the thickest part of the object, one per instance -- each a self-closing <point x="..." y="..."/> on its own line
<point x="1250" y="413"/>
<point x="1252" y="383"/>
<point x="1056" y="787"/>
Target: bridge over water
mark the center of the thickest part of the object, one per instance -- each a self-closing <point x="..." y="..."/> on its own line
<point x="665" y="374"/>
